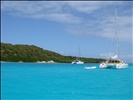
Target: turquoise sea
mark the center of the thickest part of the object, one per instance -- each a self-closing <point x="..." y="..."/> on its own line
<point x="28" y="81"/>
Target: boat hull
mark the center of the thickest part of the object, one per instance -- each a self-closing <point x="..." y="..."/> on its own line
<point x="103" y="65"/>
<point x="77" y="62"/>
<point x="117" y="66"/>
<point x="120" y="66"/>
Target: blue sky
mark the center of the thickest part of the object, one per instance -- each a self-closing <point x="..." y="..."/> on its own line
<point x="62" y="26"/>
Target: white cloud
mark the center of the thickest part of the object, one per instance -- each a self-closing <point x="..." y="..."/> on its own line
<point x="106" y="55"/>
<point x="40" y="10"/>
<point x="124" y="29"/>
<point x="82" y="17"/>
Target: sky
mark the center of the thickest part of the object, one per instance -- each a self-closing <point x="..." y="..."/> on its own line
<point x="65" y="26"/>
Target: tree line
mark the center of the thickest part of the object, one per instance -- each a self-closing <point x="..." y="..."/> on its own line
<point x="32" y="53"/>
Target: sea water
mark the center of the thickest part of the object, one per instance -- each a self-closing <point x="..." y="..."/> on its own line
<point x="28" y="81"/>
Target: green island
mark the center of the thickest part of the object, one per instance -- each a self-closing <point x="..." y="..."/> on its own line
<point x="32" y="53"/>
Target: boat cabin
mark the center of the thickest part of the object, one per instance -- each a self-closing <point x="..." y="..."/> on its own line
<point x="114" y="61"/>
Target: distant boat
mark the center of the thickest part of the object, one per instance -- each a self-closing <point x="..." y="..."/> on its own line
<point x="86" y="67"/>
<point x="77" y="61"/>
<point x="41" y="61"/>
<point x="114" y="62"/>
<point x="2" y="61"/>
<point x="20" y="61"/>
<point x="51" y="61"/>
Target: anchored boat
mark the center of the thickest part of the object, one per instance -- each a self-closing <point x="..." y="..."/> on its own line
<point x="114" y="62"/>
<point x="77" y="61"/>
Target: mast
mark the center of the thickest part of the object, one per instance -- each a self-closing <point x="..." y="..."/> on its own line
<point x="116" y="35"/>
<point x="78" y="57"/>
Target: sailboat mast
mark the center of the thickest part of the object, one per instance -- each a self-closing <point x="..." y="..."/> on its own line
<point x="79" y="52"/>
<point x="116" y="34"/>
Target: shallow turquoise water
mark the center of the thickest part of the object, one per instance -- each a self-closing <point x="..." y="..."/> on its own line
<point x="64" y="82"/>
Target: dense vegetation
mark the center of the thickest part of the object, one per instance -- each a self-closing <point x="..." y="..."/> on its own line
<point x="31" y="53"/>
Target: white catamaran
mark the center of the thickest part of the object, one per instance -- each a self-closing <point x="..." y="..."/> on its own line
<point x="114" y="62"/>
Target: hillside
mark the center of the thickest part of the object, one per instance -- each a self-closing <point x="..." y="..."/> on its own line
<point x="31" y="53"/>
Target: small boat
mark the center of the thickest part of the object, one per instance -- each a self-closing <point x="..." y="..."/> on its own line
<point x="41" y="61"/>
<point x="93" y="67"/>
<point x="20" y="61"/>
<point x="77" y="62"/>
<point x="51" y="61"/>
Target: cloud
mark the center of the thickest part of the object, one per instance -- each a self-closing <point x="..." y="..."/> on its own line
<point x="124" y="29"/>
<point x="81" y="17"/>
<point x="53" y="11"/>
<point x="106" y="55"/>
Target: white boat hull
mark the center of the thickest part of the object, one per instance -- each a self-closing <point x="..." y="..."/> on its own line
<point x="78" y="62"/>
<point x="103" y="65"/>
<point x="117" y="66"/>
<point x="120" y="66"/>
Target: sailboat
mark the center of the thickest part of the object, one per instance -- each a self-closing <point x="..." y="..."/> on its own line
<point x="77" y="61"/>
<point x="114" y="62"/>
